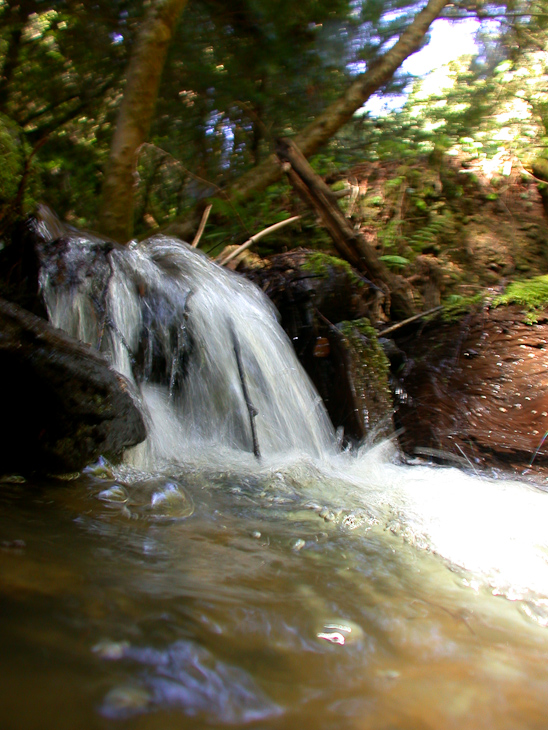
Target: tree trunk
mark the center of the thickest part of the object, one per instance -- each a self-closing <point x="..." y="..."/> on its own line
<point x="318" y="132"/>
<point x="135" y="117"/>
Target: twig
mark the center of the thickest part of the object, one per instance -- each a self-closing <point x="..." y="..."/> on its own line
<point x="396" y="326"/>
<point x="252" y="411"/>
<point x="543" y="439"/>
<point x="201" y="227"/>
<point x="232" y="255"/>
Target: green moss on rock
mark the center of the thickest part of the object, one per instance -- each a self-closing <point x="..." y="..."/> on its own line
<point x="321" y="263"/>
<point x="368" y="372"/>
<point x="531" y="294"/>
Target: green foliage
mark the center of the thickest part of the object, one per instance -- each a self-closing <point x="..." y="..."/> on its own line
<point x="19" y="186"/>
<point x="237" y="77"/>
<point x="439" y="228"/>
<point x="242" y="74"/>
<point x="456" y="306"/>
<point x="394" y="261"/>
<point x="12" y="158"/>
<point x="532" y="294"/>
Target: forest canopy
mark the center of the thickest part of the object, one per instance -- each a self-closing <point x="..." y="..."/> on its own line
<point x="226" y="80"/>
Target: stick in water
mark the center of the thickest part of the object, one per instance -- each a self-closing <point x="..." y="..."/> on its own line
<point x="249" y="405"/>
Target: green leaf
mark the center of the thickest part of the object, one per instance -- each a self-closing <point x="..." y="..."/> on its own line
<point x="394" y="261"/>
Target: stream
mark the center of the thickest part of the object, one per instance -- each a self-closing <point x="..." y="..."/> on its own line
<point x="198" y="586"/>
<point x="205" y="598"/>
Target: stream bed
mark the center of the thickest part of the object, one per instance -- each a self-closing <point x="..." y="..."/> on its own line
<point x="287" y="595"/>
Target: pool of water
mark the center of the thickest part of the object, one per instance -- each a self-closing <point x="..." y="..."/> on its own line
<point x="284" y="596"/>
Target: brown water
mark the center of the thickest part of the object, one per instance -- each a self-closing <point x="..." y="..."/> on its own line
<point x="201" y="601"/>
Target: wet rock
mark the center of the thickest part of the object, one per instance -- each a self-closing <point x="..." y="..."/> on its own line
<point x="358" y="396"/>
<point x="478" y="391"/>
<point x="63" y="405"/>
<point x="326" y="307"/>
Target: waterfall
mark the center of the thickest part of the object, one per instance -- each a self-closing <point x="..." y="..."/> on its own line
<point x="220" y="384"/>
<point x="211" y="366"/>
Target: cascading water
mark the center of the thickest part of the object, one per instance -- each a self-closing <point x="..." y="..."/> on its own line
<point x="220" y="383"/>
<point x="307" y="587"/>
<point x="203" y="347"/>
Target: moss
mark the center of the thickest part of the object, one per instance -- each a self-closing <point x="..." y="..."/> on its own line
<point x="320" y="265"/>
<point x="362" y="337"/>
<point x="456" y="306"/>
<point x="531" y="294"/>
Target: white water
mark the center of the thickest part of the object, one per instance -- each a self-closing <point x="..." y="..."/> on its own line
<point x="176" y="312"/>
<point x="177" y="319"/>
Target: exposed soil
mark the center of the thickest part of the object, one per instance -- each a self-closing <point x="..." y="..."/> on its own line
<point x="460" y="227"/>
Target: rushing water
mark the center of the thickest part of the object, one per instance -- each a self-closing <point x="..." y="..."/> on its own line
<point x="198" y="586"/>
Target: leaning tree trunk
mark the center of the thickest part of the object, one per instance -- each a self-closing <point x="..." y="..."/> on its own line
<point x="350" y="245"/>
<point x="135" y="117"/>
<point x="320" y="131"/>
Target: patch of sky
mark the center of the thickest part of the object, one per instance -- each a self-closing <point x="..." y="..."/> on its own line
<point x="449" y="40"/>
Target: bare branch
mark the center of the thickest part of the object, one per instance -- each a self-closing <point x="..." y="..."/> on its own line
<point x="275" y="227"/>
<point x="203" y="223"/>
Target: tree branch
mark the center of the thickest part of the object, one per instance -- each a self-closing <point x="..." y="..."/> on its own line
<point x="318" y="132"/>
<point x="275" y="227"/>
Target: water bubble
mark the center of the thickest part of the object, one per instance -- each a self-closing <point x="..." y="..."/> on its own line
<point x="297" y="544"/>
<point x="116" y="494"/>
<point x="100" y="470"/>
<point x="170" y="502"/>
<point x="327" y="514"/>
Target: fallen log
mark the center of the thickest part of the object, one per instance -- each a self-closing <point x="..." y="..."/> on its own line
<point x="350" y="244"/>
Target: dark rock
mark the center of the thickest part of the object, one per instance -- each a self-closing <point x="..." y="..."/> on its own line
<point x="63" y="405"/>
<point x="313" y="292"/>
<point x="304" y="283"/>
<point x="20" y="266"/>
<point x="358" y="396"/>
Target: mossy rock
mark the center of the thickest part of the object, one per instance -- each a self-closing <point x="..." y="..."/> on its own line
<point x="531" y="294"/>
<point x="321" y="265"/>
<point x="367" y="371"/>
